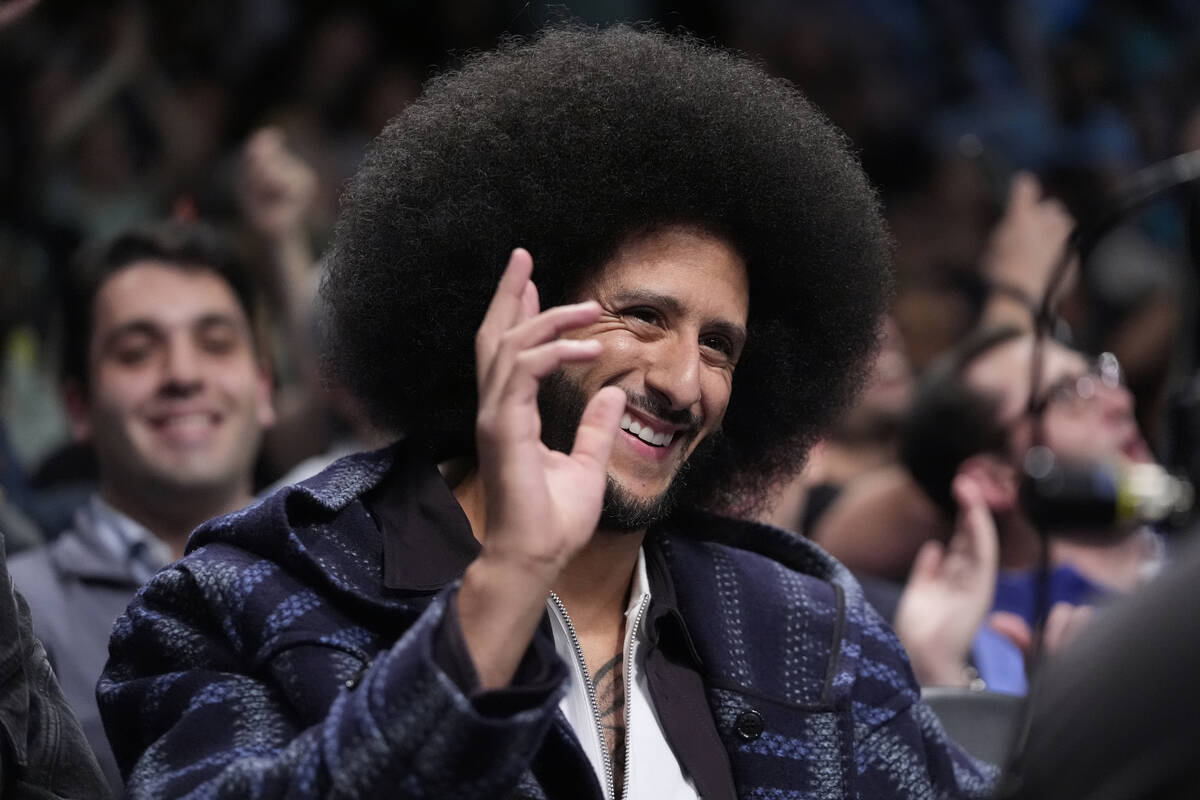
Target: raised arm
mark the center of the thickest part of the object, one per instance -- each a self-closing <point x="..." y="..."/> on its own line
<point x="540" y="506"/>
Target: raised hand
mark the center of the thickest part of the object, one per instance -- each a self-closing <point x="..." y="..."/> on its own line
<point x="1023" y="250"/>
<point x="1063" y="624"/>
<point x="540" y="506"/>
<point x="276" y="187"/>
<point x="949" y="592"/>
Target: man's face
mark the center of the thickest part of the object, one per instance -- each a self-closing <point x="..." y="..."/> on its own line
<point x="1085" y="418"/>
<point x="176" y="398"/>
<point x="673" y="324"/>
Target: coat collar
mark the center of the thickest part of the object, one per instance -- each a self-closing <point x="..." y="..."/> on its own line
<point x="427" y="542"/>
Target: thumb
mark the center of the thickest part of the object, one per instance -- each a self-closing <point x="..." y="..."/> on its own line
<point x="928" y="562"/>
<point x="1024" y="192"/>
<point x="598" y="427"/>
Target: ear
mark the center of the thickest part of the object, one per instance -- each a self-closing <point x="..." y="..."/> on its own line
<point x="75" y="400"/>
<point x="264" y="400"/>
<point x="996" y="477"/>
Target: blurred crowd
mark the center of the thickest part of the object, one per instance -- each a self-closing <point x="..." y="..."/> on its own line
<point x="989" y="130"/>
<point x="119" y="112"/>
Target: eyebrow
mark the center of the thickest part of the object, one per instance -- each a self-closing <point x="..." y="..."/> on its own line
<point x="672" y="305"/>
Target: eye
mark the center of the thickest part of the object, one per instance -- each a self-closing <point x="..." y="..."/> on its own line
<point x="643" y="314"/>
<point x="132" y="354"/>
<point x="718" y="343"/>
<point x="132" y="349"/>
<point x="218" y="338"/>
<point x="218" y="343"/>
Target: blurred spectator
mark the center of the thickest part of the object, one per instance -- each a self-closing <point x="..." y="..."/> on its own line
<point x="972" y="418"/>
<point x="164" y="378"/>
<point x="1022" y="250"/>
<point x="866" y="438"/>
<point x="318" y="421"/>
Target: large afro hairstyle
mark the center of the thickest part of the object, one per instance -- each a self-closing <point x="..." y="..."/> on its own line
<point x="567" y="146"/>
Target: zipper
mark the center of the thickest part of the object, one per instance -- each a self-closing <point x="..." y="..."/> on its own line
<point x="633" y="641"/>
<point x="591" y="694"/>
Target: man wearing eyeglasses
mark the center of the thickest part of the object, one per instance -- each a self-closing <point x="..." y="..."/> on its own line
<point x="973" y="416"/>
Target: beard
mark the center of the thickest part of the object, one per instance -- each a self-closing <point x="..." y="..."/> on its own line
<point x="561" y="404"/>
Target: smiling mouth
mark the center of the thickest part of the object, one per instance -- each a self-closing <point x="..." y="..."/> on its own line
<point x="195" y="422"/>
<point x="646" y="432"/>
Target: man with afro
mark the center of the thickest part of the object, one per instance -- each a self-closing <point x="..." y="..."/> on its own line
<point x="546" y="587"/>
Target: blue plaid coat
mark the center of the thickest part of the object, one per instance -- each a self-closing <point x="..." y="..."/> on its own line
<point x="271" y="662"/>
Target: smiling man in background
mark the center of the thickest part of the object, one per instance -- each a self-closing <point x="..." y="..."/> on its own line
<point x="162" y="376"/>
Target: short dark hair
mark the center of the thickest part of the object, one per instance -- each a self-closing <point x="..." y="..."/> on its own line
<point x="187" y="245"/>
<point x="950" y="421"/>
<point x="568" y="146"/>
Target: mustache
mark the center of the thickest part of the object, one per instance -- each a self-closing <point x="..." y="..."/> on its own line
<point x="658" y="408"/>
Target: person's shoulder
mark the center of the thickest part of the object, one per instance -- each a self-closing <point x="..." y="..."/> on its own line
<point x="759" y="548"/>
<point x="29" y="563"/>
<point x="780" y="569"/>
<point x="775" y="595"/>
<point x="35" y="573"/>
<point x="299" y="514"/>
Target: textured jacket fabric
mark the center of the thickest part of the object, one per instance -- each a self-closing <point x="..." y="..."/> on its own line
<point x="76" y="589"/>
<point x="43" y="753"/>
<point x="274" y="661"/>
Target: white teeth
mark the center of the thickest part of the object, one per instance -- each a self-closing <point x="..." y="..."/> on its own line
<point x="187" y="422"/>
<point x="645" y="432"/>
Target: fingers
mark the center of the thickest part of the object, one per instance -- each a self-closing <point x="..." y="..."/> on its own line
<point x="1063" y="624"/>
<point x="598" y="427"/>
<point x="276" y="188"/>
<point x="928" y="562"/>
<point x="263" y="143"/>
<point x="975" y="536"/>
<point x="1026" y="190"/>
<point x="519" y="356"/>
<point x="531" y="365"/>
<point x="504" y="309"/>
<point x="1027" y="200"/>
<point x="529" y="301"/>
<point x="1014" y="628"/>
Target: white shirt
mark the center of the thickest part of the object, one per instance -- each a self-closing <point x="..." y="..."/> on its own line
<point x="651" y="770"/>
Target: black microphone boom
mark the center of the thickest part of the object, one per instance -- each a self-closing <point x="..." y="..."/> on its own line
<point x="1097" y="501"/>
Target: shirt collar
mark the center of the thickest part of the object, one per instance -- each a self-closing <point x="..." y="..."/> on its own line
<point x="126" y="540"/>
<point x="427" y="540"/>
<point x="665" y="626"/>
<point x="427" y="543"/>
<point x="641" y="584"/>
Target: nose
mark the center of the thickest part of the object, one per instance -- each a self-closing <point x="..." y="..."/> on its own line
<point x="182" y="374"/>
<point x="1115" y="402"/>
<point x="674" y="374"/>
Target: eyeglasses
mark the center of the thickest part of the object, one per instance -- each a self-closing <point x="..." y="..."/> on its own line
<point x="1073" y="393"/>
